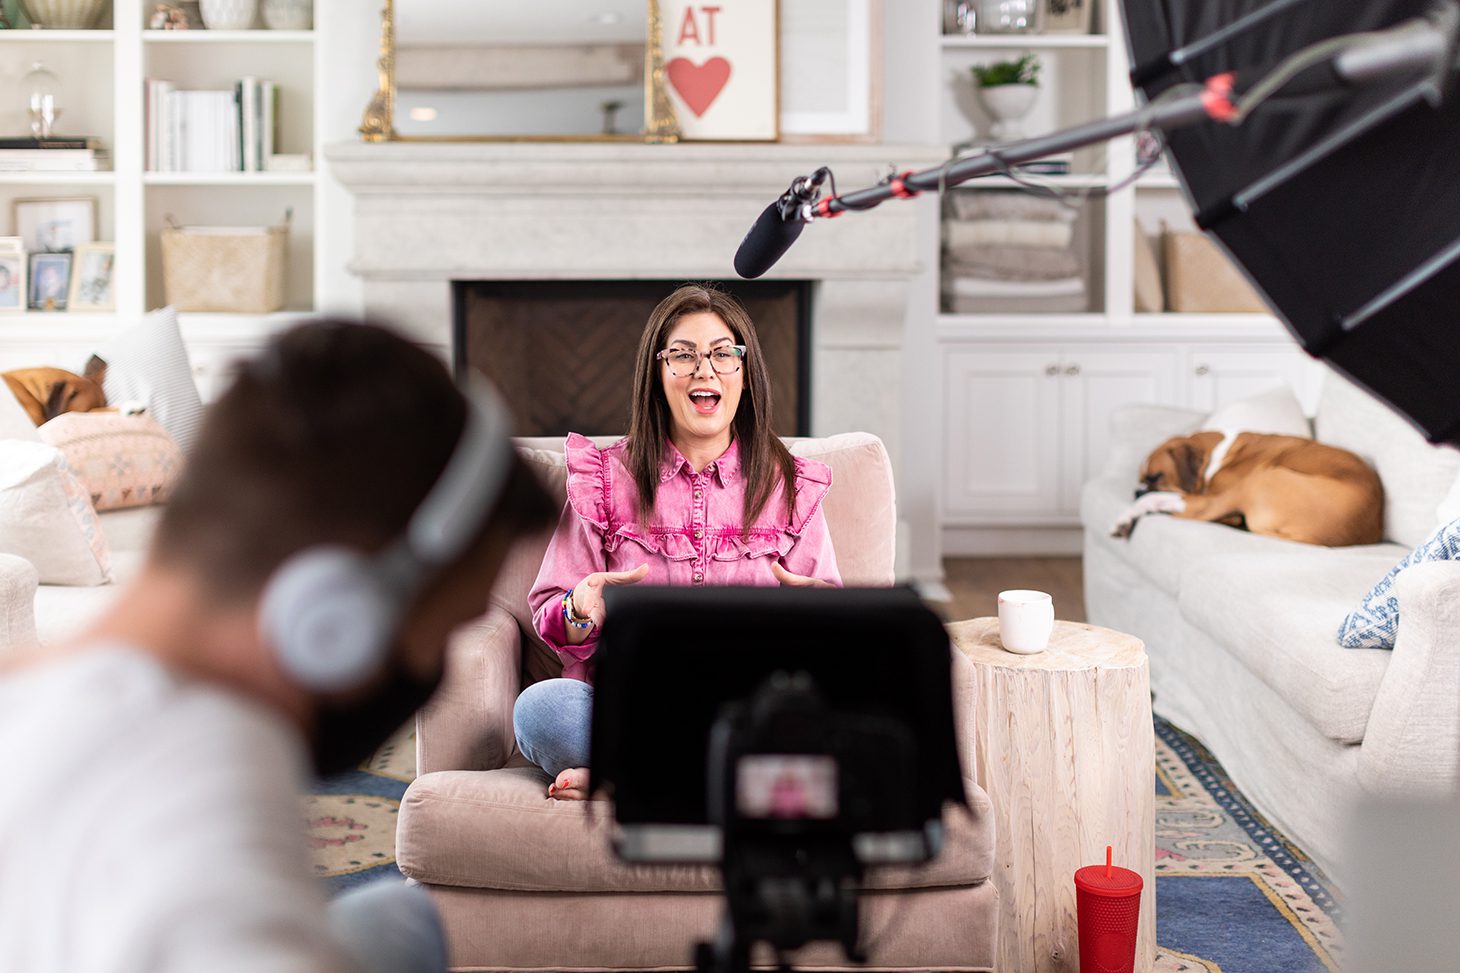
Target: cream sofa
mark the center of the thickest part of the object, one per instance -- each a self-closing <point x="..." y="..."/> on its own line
<point x="1240" y="630"/>
<point x="525" y="883"/>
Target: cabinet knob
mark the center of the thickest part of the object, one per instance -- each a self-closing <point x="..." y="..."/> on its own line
<point x="1072" y="370"/>
<point x="1202" y="369"/>
<point x="1051" y="369"/>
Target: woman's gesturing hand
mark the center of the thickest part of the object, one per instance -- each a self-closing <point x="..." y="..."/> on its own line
<point x="797" y="580"/>
<point x="588" y="595"/>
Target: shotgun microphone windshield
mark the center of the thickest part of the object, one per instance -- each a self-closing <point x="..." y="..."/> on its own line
<point x="778" y="226"/>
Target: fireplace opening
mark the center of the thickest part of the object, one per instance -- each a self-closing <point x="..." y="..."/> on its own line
<point x="562" y="352"/>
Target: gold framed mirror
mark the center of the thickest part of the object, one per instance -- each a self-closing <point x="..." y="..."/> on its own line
<point x="549" y="70"/>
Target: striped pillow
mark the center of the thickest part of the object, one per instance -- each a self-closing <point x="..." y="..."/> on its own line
<point x="148" y="363"/>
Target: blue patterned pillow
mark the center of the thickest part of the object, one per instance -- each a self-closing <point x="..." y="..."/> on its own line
<point x="1375" y="623"/>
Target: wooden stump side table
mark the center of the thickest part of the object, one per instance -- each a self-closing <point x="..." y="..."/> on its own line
<point x="1065" y="747"/>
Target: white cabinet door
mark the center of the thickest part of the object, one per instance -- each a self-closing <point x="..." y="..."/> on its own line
<point x="1218" y="375"/>
<point x="1002" y="437"/>
<point x="1096" y="380"/>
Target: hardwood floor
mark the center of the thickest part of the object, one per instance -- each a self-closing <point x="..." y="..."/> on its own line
<point x="975" y="584"/>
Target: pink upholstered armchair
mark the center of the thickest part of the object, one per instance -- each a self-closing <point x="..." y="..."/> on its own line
<point x="528" y="883"/>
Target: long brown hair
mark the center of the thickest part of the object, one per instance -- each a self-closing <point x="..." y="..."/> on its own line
<point x="764" y="459"/>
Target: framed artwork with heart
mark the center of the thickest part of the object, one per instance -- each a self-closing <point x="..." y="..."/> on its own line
<point x="721" y="66"/>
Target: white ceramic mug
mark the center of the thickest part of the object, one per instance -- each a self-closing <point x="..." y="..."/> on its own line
<point x="1026" y="619"/>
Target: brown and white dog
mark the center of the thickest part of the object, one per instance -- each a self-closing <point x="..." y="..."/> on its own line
<point x="1282" y="486"/>
<point x="45" y="393"/>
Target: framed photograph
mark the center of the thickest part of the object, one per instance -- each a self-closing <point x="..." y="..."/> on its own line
<point x="830" y="71"/>
<point x="722" y="67"/>
<point x="12" y="279"/>
<point x="55" y="225"/>
<point x="91" y="278"/>
<point x="50" y="278"/>
<point x="1066" y="16"/>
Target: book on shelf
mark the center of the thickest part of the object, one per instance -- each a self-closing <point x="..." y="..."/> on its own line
<point x="53" y="143"/>
<point x="53" y="160"/>
<point x="210" y="131"/>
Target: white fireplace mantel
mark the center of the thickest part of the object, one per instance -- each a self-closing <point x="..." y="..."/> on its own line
<point x="428" y="214"/>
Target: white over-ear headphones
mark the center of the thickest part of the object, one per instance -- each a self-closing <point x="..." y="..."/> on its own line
<point x="331" y="612"/>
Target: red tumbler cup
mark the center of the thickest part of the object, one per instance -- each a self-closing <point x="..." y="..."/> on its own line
<point x="1108" y="903"/>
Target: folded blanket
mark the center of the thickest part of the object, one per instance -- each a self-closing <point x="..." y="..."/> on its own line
<point x="980" y="287"/>
<point x="1071" y="304"/>
<point x="1012" y="263"/>
<point x="986" y="204"/>
<point x="962" y="234"/>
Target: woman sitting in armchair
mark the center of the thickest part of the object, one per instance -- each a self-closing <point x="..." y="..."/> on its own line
<point x="701" y="492"/>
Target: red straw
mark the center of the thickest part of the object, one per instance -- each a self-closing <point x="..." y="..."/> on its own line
<point x="1107" y="861"/>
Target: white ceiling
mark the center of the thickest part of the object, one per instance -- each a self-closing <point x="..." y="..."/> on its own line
<point x="422" y="23"/>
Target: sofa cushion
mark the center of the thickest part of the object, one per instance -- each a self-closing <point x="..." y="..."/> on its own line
<point x="1416" y="475"/>
<point x="148" y="363"/>
<point x="1276" y="412"/>
<point x="1276" y="614"/>
<point x="497" y="829"/>
<point x="1162" y="546"/>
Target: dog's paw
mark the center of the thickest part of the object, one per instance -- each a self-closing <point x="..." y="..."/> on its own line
<point x="1154" y="502"/>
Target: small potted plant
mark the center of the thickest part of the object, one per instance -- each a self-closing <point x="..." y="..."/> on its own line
<point x="1007" y="90"/>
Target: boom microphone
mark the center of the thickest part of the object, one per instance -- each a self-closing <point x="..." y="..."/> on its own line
<point x="778" y="227"/>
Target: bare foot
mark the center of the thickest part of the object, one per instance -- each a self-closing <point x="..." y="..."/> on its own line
<point x="570" y="785"/>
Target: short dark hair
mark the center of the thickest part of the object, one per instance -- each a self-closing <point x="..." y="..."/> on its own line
<point x="333" y="435"/>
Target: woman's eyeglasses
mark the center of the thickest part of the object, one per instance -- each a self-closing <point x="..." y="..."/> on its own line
<point x="724" y="359"/>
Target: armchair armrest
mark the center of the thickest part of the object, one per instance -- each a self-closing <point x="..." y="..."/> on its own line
<point x="1412" y="743"/>
<point x="1135" y="430"/>
<point x="18" y="583"/>
<point x="468" y="723"/>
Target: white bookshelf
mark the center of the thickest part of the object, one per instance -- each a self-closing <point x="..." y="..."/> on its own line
<point x="102" y="75"/>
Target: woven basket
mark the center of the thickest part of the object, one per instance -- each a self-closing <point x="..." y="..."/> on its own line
<point x="221" y="268"/>
<point x="1200" y="278"/>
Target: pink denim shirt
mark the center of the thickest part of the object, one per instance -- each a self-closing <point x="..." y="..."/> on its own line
<point x="694" y="537"/>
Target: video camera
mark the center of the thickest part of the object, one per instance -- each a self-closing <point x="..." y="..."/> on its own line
<point x="820" y="722"/>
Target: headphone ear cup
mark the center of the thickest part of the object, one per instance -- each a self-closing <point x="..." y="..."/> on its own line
<point x="329" y="617"/>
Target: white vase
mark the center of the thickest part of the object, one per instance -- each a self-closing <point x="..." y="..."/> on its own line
<point x="63" y="14"/>
<point x="229" y="14"/>
<point x="1007" y="104"/>
<point x="288" y="14"/>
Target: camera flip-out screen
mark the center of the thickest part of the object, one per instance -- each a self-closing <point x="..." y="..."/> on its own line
<point x="773" y="712"/>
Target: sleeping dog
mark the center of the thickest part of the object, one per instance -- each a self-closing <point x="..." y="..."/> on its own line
<point x="1282" y="486"/>
<point x="45" y="393"/>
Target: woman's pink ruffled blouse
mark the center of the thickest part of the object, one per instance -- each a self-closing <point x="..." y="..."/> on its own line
<point x="694" y="538"/>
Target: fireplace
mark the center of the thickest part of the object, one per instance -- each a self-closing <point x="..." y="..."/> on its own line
<point x="562" y="352"/>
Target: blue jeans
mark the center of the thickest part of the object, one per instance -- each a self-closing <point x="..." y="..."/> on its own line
<point x="389" y="926"/>
<point x="551" y="720"/>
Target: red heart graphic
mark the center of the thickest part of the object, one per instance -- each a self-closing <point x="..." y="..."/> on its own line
<point x="698" y="84"/>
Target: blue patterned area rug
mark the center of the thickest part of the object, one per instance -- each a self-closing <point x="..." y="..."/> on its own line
<point x="1232" y="894"/>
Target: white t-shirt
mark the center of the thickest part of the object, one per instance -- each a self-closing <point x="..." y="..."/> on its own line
<point x="151" y="824"/>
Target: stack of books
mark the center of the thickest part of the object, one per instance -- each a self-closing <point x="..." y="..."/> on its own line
<point x="211" y="131"/>
<point x="55" y="154"/>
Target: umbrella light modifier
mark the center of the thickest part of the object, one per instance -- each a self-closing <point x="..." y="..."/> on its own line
<point x="1343" y="207"/>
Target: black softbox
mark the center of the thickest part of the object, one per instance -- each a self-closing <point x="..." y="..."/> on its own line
<point x="1343" y="209"/>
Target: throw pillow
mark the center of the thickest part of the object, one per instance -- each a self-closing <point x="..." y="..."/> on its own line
<point x="1375" y="623"/>
<point x="14" y="420"/>
<point x="123" y="461"/>
<point x="148" y="363"/>
<point x="46" y="516"/>
<point x="1276" y="411"/>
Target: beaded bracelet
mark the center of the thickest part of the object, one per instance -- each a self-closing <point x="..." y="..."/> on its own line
<point x="570" y="615"/>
